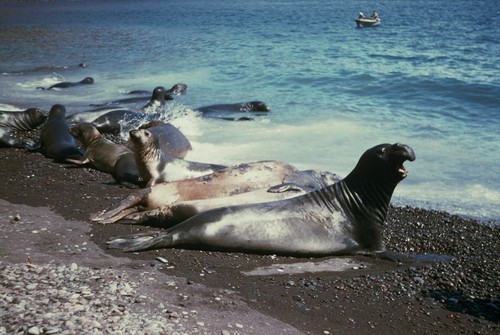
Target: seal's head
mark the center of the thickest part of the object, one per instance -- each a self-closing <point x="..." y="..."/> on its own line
<point x="143" y="138"/>
<point x="57" y="111"/>
<point x="88" y="80"/>
<point x="384" y="162"/>
<point x="85" y="131"/>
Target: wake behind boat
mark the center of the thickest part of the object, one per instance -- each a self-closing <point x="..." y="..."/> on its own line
<point x="372" y="21"/>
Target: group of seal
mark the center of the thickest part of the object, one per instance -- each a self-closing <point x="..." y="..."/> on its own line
<point x="260" y="207"/>
<point x="343" y="218"/>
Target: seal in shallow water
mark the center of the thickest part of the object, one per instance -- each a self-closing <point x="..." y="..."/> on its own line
<point x="344" y="218"/>
<point x="234" y="180"/>
<point x="105" y="155"/>
<point x="232" y="112"/>
<point x="56" y="142"/>
<point x="156" y="166"/>
<point x="26" y="120"/>
<point x="66" y="84"/>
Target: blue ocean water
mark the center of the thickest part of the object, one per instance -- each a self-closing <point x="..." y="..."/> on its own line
<point x="428" y="76"/>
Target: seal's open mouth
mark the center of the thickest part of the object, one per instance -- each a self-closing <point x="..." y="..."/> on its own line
<point x="401" y="170"/>
<point x="400" y="153"/>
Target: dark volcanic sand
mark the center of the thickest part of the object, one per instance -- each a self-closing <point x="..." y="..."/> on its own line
<point x="380" y="297"/>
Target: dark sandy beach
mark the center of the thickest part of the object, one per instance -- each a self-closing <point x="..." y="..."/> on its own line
<point x="460" y="296"/>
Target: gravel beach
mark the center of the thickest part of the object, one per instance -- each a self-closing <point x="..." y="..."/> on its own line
<point x="57" y="277"/>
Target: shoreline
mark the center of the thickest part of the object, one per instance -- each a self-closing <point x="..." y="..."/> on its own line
<point x="460" y="296"/>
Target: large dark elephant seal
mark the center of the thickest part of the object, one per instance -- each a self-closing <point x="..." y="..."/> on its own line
<point x="234" y="180"/>
<point x="111" y="122"/>
<point x="66" y="84"/>
<point x="26" y="120"/>
<point x="91" y="114"/>
<point x="233" y="111"/>
<point x="56" y="142"/>
<point x="105" y="155"/>
<point x="156" y="166"/>
<point x="170" y="139"/>
<point x="344" y="218"/>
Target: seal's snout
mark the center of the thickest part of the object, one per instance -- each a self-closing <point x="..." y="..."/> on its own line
<point x="403" y="150"/>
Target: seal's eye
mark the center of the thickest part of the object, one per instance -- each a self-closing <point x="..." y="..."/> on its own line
<point x="381" y="152"/>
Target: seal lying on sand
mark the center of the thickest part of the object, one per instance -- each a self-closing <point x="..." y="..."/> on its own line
<point x="171" y="140"/>
<point x="168" y="215"/>
<point x="56" y="142"/>
<point x="344" y="218"/>
<point x="66" y="84"/>
<point x="105" y="155"/>
<point x="156" y="166"/>
<point x="228" y="182"/>
<point x="26" y="120"/>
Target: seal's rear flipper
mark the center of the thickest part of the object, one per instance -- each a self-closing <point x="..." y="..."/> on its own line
<point x="141" y="241"/>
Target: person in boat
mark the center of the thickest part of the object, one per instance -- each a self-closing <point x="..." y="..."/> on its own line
<point x="361" y="15"/>
<point x="374" y="15"/>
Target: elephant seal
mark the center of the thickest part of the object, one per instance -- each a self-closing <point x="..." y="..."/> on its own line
<point x="66" y="84"/>
<point x="156" y="166"/>
<point x="237" y="179"/>
<point x="56" y="142"/>
<point x="343" y="218"/>
<point x="105" y="155"/>
<point x="176" y="89"/>
<point x="157" y="99"/>
<point x="232" y="112"/>
<point x="171" y="140"/>
<point x="111" y="121"/>
<point x="178" y="211"/>
<point x="26" y="120"/>
<point x="91" y="114"/>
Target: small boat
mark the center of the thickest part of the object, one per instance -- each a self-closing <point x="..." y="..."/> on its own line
<point x="362" y="23"/>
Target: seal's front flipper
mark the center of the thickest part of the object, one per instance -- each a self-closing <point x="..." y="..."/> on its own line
<point x="288" y="187"/>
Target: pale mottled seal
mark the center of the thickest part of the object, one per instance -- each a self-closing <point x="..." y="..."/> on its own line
<point x="26" y="120"/>
<point x="168" y="215"/>
<point x="170" y="139"/>
<point x="344" y="218"/>
<point x="228" y="182"/>
<point x="56" y="142"/>
<point x="105" y="155"/>
<point x="66" y="84"/>
<point x="156" y="166"/>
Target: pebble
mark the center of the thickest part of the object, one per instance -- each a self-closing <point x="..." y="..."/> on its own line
<point x="34" y="331"/>
<point x="55" y="295"/>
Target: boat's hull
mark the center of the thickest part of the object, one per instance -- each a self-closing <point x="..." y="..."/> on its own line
<point x="362" y="23"/>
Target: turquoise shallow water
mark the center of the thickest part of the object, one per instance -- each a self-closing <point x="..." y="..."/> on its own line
<point x="428" y="76"/>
